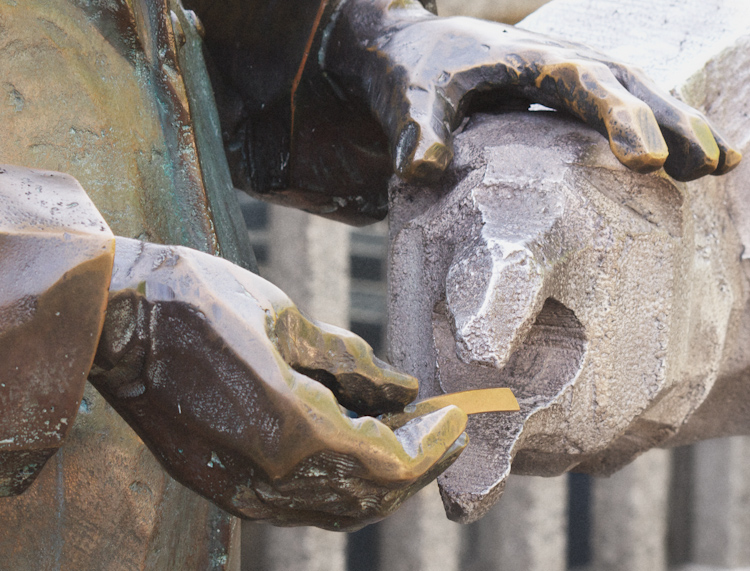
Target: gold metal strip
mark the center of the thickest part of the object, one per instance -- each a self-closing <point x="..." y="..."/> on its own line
<point x="471" y="402"/>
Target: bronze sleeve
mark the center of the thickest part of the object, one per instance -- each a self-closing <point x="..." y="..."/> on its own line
<point x="56" y="255"/>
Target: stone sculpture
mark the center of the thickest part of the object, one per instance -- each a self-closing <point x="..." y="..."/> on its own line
<point x="319" y="102"/>
<point x="612" y="303"/>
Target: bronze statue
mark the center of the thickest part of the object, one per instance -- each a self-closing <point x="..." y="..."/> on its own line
<point x="319" y="102"/>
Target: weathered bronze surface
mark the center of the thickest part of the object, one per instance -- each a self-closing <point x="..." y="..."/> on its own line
<point x="86" y="90"/>
<point x="207" y="363"/>
<point x="56" y="256"/>
<point x="97" y="90"/>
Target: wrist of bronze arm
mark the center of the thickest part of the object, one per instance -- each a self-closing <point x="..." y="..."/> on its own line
<point x="360" y="14"/>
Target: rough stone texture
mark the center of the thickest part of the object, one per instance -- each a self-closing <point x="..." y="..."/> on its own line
<point x="629" y="529"/>
<point x="611" y="302"/>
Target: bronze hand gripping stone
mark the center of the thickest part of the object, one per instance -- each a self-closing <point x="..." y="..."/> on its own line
<point x="356" y="89"/>
<point x="56" y="256"/>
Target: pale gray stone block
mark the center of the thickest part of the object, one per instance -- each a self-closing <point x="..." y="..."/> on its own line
<point x="672" y="41"/>
<point x="721" y="522"/>
<point x="527" y="274"/>
<point x="510" y="11"/>
<point x="611" y="302"/>
<point x="629" y="516"/>
<point x="419" y="538"/>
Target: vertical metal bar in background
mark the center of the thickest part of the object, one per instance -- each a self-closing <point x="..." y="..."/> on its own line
<point x="681" y="513"/>
<point x="629" y="513"/>
<point x="268" y="548"/>
<point x="308" y="257"/>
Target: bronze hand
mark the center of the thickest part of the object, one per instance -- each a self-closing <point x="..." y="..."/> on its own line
<point x="420" y="74"/>
<point x="212" y="366"/>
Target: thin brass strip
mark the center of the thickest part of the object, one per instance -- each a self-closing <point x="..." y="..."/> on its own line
<point x="471" y="402"/>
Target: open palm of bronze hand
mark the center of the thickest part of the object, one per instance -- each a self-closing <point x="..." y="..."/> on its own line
<point x="225" y="380"/>
<point x="420" y="74"/>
